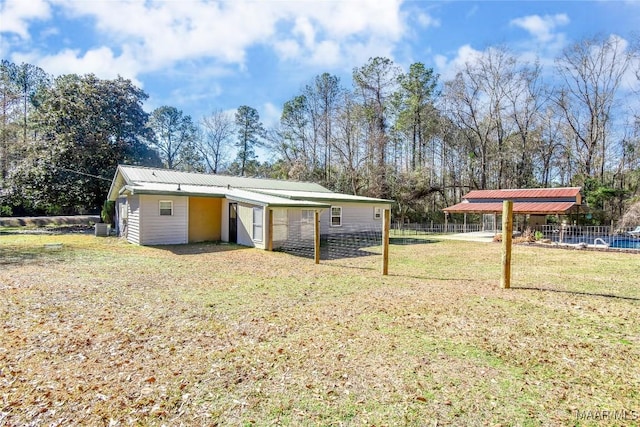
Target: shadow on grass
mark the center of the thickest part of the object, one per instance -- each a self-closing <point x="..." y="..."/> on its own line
<point x="328" y="253"/>
<point x="590" y="294"/>
<point x="200" y="248"/>
<point x="20" y="256"/>
<point x="403" y="241"/>
<point x="346" y="248"/>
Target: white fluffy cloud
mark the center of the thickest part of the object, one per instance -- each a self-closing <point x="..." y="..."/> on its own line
<point x="100" y="61"/>
<point x="16" y="15"/>
<point x="541" y="27"/>
<point x="448" y="68"/>
<point x="154" y="35"/>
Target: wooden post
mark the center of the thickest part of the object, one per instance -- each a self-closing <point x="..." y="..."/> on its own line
<point x="316" y="236"/>
<point x="386" y="224"/>
<point x="270" y="222"/>
<point x="507" y="233"/>
<point x="464" y="227"/>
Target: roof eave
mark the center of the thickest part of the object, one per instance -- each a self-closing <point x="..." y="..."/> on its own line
<point x="283" y="204"/>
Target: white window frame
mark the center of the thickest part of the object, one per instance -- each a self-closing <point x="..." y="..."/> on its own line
<point x="377" y="213"/>
<point x="160" y="208"/>
<point x="258" y="226"/>
<point x="336" y="216"/>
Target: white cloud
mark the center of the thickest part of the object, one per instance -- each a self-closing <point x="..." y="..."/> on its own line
<point x="426" y="20"/>
<point x="287" y="49"/>
<point x="326" y="53"/>
<point x="161" y="33"/>
<point x="132" y="38"/>
<point x="100" y="62"/>
<point x="448" y="68"/>
<point x="271" y="114"/>
<point x="304" y="28"/>
<point x="541" y="27"/>
<point x="16" y="14"/>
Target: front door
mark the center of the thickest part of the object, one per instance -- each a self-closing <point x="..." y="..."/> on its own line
<point x="233" y="223"/>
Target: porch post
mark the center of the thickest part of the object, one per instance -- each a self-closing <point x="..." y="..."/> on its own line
<point x="270" y="230"/>
<point x="386" y="224"/>
<point x="464" y="226"/>
<point x="316" y="236"/>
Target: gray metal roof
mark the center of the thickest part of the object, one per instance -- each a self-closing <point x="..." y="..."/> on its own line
<point x="234" y="194"/>
<point x="137" y="174"/>
<point x="267" y="192"/>
<point x="322" y="196"/>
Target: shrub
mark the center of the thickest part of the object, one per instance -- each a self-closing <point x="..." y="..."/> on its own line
<point x="108" y="213"/>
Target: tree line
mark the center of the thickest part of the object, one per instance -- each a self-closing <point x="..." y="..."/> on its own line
<point x="500" y="122"/>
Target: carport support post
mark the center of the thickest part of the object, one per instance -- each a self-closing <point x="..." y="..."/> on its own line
<point x="507" y="233"/>
<point x="270" y="228"/>
<point x="386" y="225"/>
<point x="316" y="236"/>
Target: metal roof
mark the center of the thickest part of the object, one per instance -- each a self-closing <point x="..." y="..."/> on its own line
<point x="138" y="174"/>
<point x="174" y="189"/>
<point x="323" y="196"/>
<point x="234" y="194"/>
<point x="524" y="193"/>
<point x="532" y="208"/>
<point x="266" y="192"/>
<point x="271" y="200"/>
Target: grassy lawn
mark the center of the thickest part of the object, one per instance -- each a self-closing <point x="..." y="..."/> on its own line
<point x="100" y="332"/>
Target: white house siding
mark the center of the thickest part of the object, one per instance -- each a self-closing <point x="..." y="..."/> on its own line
<point x="164" y="230"/>
<point x="133" y="219"/>
<point x="356" y="217"/>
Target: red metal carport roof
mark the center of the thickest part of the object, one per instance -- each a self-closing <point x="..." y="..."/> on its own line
<point x="524" y="193"/>
<point x="532" y="208"/>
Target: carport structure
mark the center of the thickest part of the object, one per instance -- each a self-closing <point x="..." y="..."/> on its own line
<point x="534" y="203"/>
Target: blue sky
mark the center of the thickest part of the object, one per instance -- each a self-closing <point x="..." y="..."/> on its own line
<point x="201" y="55"/>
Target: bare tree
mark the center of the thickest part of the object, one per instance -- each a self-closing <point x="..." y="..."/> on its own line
<point x="348" y="143"/>
<point x="217" y="132"/>
<point x="592" y="71"/>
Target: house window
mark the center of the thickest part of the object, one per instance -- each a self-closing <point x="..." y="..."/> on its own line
<point x="166" y="207"/>
<point x="257" y="223"/>
<point x="307" y="216"/>
<point x="377" y="213"/>
<point x="336" y="216"/>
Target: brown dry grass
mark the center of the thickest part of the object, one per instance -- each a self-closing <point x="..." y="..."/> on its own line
<point x="100" y="332"/>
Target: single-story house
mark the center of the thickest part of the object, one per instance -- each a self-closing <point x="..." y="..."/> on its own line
<point x="534" y="203"/>
<point x="161" y="206"/>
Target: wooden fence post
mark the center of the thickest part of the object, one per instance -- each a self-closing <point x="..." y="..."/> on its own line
<point x="507" y="233"/>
